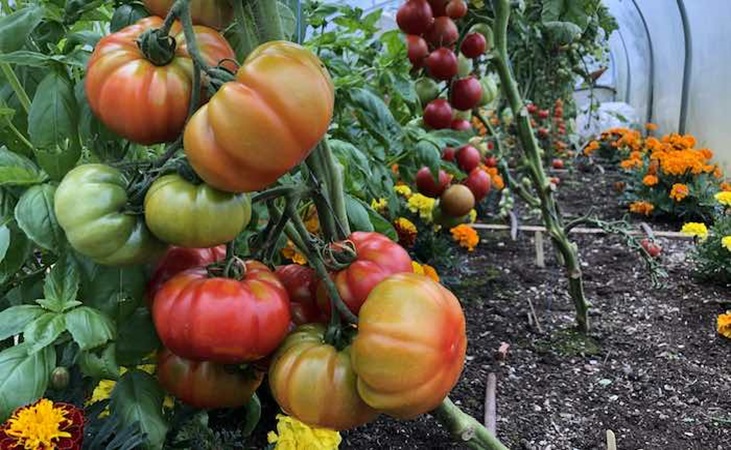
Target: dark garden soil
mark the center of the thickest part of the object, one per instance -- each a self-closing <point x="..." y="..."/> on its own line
<point x="652" y="369"/>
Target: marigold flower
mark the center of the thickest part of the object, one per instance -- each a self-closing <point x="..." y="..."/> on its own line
<point x="426" y="270"/>
<point x="379" y="205"/>
<point x="402" y="190"/>
<point x="423" y="205"/>
<point x="292" y="434"/>
<point x="679" y="191"/>
<point x="695" y="229"/>
<point x="725" y="187"/>
<point x="291" y="252"/>
<point x="629" y="164"/>
<point x="650" y="126"/>
<point x="650" y="180"/>
<point x="726" y="242"/>
<point x="44" y="425"/>
<point x="406" y="231"/>
<point x="465" y="236"/>
<point x="723" y="197"/>
<point x="642" y="207"/>
<point x="591" y="148"/>
<point x="312" y="221"/>
<point x="723" y="324"/>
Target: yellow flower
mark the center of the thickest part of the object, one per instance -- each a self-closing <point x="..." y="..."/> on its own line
<point x="695" y="229"/>
<point x="650" y="180"/>
<point x="38" y="426"/>
<point x="423" y="205"/>
<point x="291" y="252"/>
<point x="679" y="191"/>
<point x="726" y="242"/>
<point x="406" y="231"/>
<point x="724" y="198"/>
<point x="723" y="324"/>
<point x="641" y="207"/>
<point x="402" y="190"/>
<point x="292" y="434"/>
<point x="465" y="236"/>
<point x="312" y="221"/>
<point x="473" y="216"/>
<point x="379" y="205"/>
<point x="426" y="270"/>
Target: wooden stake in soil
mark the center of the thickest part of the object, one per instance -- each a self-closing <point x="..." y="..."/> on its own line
<point x="540" y="258"/>
<point x="490" y="403"/>
<point x="611" y="440"/>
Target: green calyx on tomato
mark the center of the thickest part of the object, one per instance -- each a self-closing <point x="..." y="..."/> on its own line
<point x="315" y="382"/>
<point x="184" y="214"/>
<point x="91" y="205"/>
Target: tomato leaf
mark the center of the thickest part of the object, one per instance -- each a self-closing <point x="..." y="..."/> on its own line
<point x="428" y="154"/>
<point x="61" y="286"/>
<point x="17" y="170"/>
<point x="380" y="224"/>
<point x="23" y="376"/>
<point x="252" y="416"/>
<point x="117" y="292"/>
<point x="16" y="254"/>
<point x="101" y="364"/>
<point x="357" y="215"/>
<point x="14" y="319"/>
<point x="89" y="328"/>
<point x="26" y="58"/>
<point x="288" y="19"/>
<point x="35" y="216"/>
<point x="4" y="241"/>
<point x="41" y="332"/>
<point x="137" y="397"/>
<point x="136" y="337"/>
<point x="377" y="119"/>
<point x="15" y="28"/>
<point x="567" y="11"/>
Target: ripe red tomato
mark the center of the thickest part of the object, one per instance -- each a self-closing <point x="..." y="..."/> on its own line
<point x="468" y="157"/>
<point x="555" y="180"/>
<point x="377" y="258"/>
<point x="473" y="45"/>
<point x="557" y="163"/>
<point x="211" y="13"/>
<point x="456" y="9"/>
<point x="178" y="259"/>
<point x="301" y="285"/>
<point x="457" y="200"/>
<point x="438" y="114"/>
<point x="652" y="248"/>
<point x="439" y="7"/>
<point x="532" y="108"/>
<point x="448" y="153"/>
<point x="417" y="49"/>
<point x="461" y="125"/>
<point x="442" y="33"/>
<point x="226" y="140"/>
<point x="205" y="384"/>
<point x="479" y="183"/>
<point x="465" y="93"/>
<point x="543" y="133"/>
<point x="411" y="344"/>
<point x="442" y="64"/>
<point x="315" y="382"/>
<point x="221" y="319"/>
<point x="491" y="161"/>
<point x="543" y="114"/>
<point x="426" y="184"/>
<point x="414" y="17"/>
<point x="137" y="99"/>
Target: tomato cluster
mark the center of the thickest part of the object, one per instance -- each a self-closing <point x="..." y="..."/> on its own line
<point x="432" y="35"/>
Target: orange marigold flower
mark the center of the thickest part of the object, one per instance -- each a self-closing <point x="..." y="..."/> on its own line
<point x="292" y="253"/>
<point x="717" y="172"/>
<point x="679" y="191"/>
<point x="43" y="425"/>
<point x="629" y="164"/>
<point x="650" y="180"/>
<point x="497" y="182"/>
<point x="406" y="231"/>
<point x="725" y="186"/>
<point x="642" y="207"/>
<point x="650" y="126"/>
<point x="465" y="236"/>
<point x="591" y="148"/>
<point x="425" y="269"/>
<point x="707" y="153"/>
<point x="723" y="324"/>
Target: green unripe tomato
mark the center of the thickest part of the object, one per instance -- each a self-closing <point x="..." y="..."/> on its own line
<point x="464" y="66"/>
<point x="426" y="89"/>
<point x="464" y="115"/>
<point x="489" y="90"/>
<point x="60" y="378"/>
<point x="197" y="216"/>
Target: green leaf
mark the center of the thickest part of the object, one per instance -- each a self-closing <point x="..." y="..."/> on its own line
<point x="34" y="214"/>
<point x="26" y="58"/>
<point x="117" y="292"/>
<point x="4" y="241"/>
<point x="136" y="337"/>
<point x="53" y="124"/>
<point x="43" y="331"/>
<point x="429" y="155"/>
<point x="563" y="32"/>
<point x="89" y="328"/>
<point x="17" y="170"/>
<point x="577" y="12"/>
<point x="357" y="215"/>
<point x="24" y="376"/>
<point x="100" y="365"/>
<point x="375" y="116"/>
<point x="380" y="224"/>
<point x="14" y="319"/>
<point x="15" y="28"/>
<point x="253" y="415"/>
<point x="288" y="19"/>
<point x="61" y="286"/>
<point x="137" y="397"/>
<point x="16" y="254"/>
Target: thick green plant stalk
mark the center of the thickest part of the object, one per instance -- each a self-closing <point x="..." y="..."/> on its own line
<point x="465" y="428"/>
<point x="568" y="251"/>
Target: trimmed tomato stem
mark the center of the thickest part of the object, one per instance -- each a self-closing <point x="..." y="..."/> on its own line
<point x="465" y="428"/>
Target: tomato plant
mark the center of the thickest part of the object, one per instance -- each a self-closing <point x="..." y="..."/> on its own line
<point x="438" y="114"/>
<point x="442" y="32"/>
<point x="427" y="185"/>
<point x="479" y="183"/>
<point x="442" y="63"/>
<point x="414" y="17"/>
<point x="457" y="200"/>
<point x="465" y="93"/>
<point x="301" y="285"/>
<point x="211" y="13"/>
<point x="179" y="259"/>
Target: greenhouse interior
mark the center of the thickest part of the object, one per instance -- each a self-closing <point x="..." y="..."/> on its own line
<point x="400" y="224"/>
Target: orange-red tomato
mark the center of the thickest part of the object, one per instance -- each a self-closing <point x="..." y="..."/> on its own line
<point x="314" y="382"/>
<point x="410" y="347"/>
<point x="211" y="13"/>
<point x="258" y="127"/>
<point x="206" y="384"/>
<point x="138" y="100"/>
<point x="301" y="284"/>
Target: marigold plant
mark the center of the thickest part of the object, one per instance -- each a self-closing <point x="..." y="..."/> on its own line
<point x="712" y="253"/>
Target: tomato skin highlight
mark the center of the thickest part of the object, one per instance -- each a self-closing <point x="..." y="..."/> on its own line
<point x="221" y="319"/>
<point x="255" y="129"/>
<point x="138" y="100"/>
<point x="211" y="13"/>
<point x="205" y="384"/>
<point x="411" y="345"/>
<point x="315" y="383"/>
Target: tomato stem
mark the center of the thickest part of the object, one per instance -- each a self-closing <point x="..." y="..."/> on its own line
<point x="465" y="428"/>
<point x="23" y="98"/>
<point x="336" y="188"/>
<point x="317" y="179"/>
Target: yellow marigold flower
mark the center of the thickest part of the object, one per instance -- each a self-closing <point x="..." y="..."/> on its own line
<point x="642" y="207"/>
<point x="426" y="270"/>
<point x="695" y="229"/>
<point x="679" y="191"/>
<point x="650" y="126"/>
<point x="724" y="198"/>
<point x="292" y="434"/>
<point x="312" y="221"/>
<point x="406" y="231"/>
<point x="291" y="252"/>
<point x="650" y="180"/>
<point x="43" y="425"/>
<point x="473" y="215"/>
<point x="402" y="190"/>
<point x="423" y="205"/>
<point x="723" y="324"/>
<point x="465" y="236"/>
<point x="726" y="242"/>
<point x="379" y="205"/>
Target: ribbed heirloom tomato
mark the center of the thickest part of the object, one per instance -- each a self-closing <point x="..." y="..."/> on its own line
<point x="410" y="347"/>
<point x="314" y="382"/>
<point x="268" y="120"/>
<point x="222" y="319"/>
<point x="90" y="205"/>
<point x="182" y="213"/>
<point x="301" y="285"/>
<point x="377" y="258"/>
<point x="206" y="384"/>
<point x="211" y="13"/>
<point x="141" y="101"/>
<point x="178" y="259"/>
